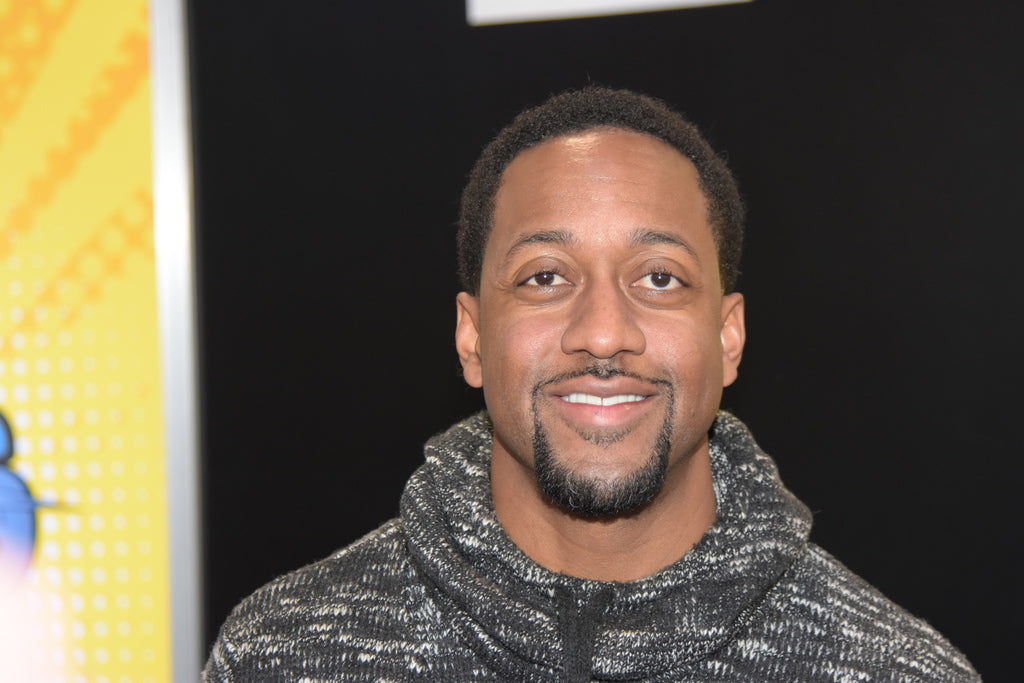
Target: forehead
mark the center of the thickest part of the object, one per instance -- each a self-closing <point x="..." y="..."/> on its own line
<point x="597" y="183"/>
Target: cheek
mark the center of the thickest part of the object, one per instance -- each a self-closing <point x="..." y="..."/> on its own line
<point x="515" y="356"/>
<point x="514" y="349"/>
<point x="691" y="354"/>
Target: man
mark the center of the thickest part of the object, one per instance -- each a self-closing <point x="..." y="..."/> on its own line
<point x="602" y="520"/>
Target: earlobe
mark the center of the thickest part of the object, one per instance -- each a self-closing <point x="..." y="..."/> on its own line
<point x="467" y="337"/>
<point x="734" y="336"/>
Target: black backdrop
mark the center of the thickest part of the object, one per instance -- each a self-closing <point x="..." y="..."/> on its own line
<point x="877" y="145"/>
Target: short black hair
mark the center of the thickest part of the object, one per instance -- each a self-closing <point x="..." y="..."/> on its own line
<point x="581" y="110"/>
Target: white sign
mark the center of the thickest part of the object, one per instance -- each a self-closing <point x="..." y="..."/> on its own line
<point x="483" y="12"/>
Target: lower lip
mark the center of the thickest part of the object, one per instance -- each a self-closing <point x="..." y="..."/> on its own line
<point x="616" y="416"/>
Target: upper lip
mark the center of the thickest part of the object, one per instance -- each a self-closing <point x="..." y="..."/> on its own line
<point x="614" y="386"/>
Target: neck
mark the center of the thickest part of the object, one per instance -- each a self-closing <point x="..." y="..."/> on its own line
<point x="619" y="548"/>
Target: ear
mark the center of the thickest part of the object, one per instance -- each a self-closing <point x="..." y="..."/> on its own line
<point x="734" y="336"/>
<point x="467" y="338"/>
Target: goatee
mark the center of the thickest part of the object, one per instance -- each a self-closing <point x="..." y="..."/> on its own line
<point x="590" y="496"/>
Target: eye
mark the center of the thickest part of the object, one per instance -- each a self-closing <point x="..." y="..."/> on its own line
<point x="545" y="278"/>
<point x="659" y="280"/>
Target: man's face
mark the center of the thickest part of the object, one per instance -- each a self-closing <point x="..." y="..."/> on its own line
<point x="600" y="335"/>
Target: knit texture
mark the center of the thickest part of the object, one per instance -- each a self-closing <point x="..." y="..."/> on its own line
<point x="443" y="594"/>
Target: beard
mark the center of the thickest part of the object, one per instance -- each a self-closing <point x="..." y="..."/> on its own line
<point x="598" y="497"/>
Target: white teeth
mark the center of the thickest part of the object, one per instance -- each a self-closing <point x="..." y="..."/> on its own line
<point x="590" y="399"/>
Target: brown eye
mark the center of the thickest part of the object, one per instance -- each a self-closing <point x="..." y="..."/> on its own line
<point x="545" y="279"/>
<point x="659" y="281"/>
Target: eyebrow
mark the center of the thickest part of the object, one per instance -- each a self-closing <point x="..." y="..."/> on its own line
<point x="561" y="237"/>
<point x="643" y="237"/>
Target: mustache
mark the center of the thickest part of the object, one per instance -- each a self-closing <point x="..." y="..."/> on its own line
<point x="600" y="370"/>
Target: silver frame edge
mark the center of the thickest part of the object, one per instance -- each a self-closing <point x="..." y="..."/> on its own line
<point x="176" y="297"/>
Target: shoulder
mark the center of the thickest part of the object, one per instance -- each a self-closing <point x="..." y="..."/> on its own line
<point x="360" y="595"/>
<point x="368" y="569"/>
<point x="825" y="621"/>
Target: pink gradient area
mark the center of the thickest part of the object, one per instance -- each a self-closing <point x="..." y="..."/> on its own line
<point x="30" y="648"/>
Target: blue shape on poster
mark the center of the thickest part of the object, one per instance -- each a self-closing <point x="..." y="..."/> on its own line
<point x="6" y="441"/>
<point x="17" y="508"/>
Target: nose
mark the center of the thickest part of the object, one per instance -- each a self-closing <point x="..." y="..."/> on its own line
<point x="603" y="324"/>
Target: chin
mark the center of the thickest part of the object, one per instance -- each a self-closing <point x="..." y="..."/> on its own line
<point x="593" y="495"/>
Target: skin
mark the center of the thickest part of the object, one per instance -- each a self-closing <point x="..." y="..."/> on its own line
<point x="601" y="256"/>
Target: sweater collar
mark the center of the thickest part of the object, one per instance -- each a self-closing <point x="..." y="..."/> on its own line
<point x="519" y="617"/>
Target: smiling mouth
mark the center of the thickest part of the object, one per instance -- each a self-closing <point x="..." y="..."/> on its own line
<point x="591" y="399"/>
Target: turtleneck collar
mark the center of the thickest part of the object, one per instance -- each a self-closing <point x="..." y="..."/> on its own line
<point x="529" y="623"/>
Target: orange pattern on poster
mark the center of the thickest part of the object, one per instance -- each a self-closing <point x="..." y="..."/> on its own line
<point x="115" y="85"/>
<point x="27" y="30"/>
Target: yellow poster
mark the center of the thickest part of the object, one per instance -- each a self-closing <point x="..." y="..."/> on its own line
<point x="80" y="385"/>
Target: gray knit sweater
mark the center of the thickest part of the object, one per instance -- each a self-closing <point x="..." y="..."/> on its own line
<point x="442" y="594"/>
